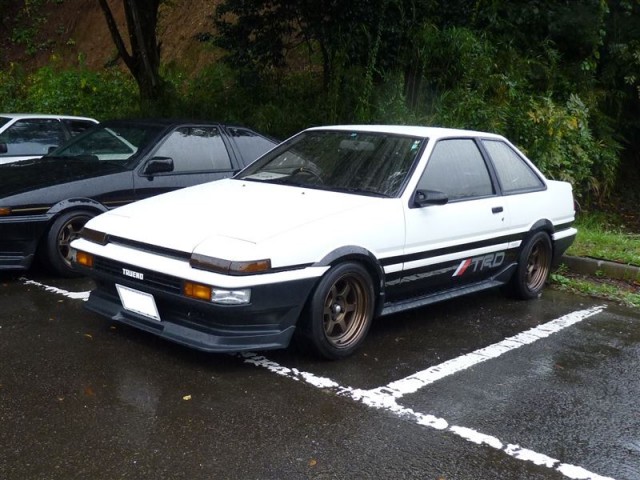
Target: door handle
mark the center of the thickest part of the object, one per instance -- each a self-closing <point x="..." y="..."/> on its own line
<point x="497" y="209"/>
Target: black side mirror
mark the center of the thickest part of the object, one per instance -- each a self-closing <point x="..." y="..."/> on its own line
<point x="3" y="148"/>
<point x="52" y="148"/>
<point x="423" y="198"/>
<point x="158" y="165"/>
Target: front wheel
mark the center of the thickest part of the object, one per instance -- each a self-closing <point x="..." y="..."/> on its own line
<point x="57" y="250"/>
<point x="533" y="269"/>
<point x="340" y="311"/>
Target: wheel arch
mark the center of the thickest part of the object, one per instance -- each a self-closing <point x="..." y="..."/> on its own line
<point x="542" y="225"/>
<point x="353" y="253"/>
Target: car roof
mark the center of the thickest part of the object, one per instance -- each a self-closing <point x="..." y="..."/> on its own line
<point x="412" y="130"/>
<point x="20" y="116"/>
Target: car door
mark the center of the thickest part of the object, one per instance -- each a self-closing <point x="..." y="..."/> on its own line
<point x="462" y="241"/>
<point x="199" y="154"/>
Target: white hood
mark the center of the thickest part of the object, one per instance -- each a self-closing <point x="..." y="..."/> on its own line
<point x="224" y="210"/>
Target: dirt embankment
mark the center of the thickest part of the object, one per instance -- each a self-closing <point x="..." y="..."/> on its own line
<point x="75" y="32"/>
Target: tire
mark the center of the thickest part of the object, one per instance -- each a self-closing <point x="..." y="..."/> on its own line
<point x="56" y="250"/>
<point x="533" y="269"/>
<point x="340" y="311"/>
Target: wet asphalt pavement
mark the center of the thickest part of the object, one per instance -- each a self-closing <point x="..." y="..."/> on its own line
<point x="479" y="388"/>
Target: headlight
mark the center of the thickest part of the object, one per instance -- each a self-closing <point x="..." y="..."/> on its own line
<point x="217" y="295"/>
<point x="227" y="267"/>
<point x="94" y="236"/>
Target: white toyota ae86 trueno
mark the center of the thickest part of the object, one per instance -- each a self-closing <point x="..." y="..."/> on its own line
<point x="330" y="229"/>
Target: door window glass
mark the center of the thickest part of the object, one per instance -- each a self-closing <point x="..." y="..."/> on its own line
<point x="457" y="168"/>
<point x="196" y="149"/>
<point x="32" y="137"/>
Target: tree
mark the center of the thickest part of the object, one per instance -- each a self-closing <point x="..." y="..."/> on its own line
<point x="143" y="61"/>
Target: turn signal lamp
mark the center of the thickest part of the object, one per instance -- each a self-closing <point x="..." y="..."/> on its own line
<point x="4" y="211"/>
<point x="197" y="291"/>
<point x="85" y="259"/>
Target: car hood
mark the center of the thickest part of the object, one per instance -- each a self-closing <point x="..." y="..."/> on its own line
<point x="223" y="211"/>
<point x="27" y="175"/>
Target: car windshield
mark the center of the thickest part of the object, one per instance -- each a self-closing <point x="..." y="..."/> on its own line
<point x="116" y="144"/>
<point x="4" y="121"/>
<point x="357" y="162"/>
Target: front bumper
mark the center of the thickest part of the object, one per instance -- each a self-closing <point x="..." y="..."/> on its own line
<point x="267" y="323"/>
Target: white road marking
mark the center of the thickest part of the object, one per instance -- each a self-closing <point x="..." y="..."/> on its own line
<point x="74" y="295"/>
<point x="385" y="398"/>
<point x="416" y="381"/>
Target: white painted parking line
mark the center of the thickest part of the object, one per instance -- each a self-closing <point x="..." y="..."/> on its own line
<point x="385" y="398"/>
<point x="74" y="295"/>
<point x="416" y="381"/>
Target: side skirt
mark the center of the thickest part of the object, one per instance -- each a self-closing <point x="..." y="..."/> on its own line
<point x="496" y="281"/>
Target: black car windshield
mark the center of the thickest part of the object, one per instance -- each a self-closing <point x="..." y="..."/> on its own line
<point x="367" y="163"/>
<point x="117" y="144"/>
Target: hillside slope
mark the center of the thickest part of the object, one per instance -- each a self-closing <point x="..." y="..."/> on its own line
<point x="75" y="31"/>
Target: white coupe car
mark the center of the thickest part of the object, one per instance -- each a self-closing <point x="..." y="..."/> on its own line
<point x="334" y="227"/>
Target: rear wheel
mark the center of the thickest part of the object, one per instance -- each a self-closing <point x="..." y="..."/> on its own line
<point x="533" y="267"/>
<point x="340" y="312"/>
<point x="57" y="250"/>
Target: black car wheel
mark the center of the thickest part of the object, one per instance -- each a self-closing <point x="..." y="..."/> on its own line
<point x="533" y="267"/>
<point x="340" y="311"/>
<point x="57" y="250"/>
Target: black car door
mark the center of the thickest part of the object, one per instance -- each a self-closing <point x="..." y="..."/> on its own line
<point x="188" y="155"/>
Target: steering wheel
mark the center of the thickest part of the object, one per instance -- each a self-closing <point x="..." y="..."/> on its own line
<point x="308" y="172"/>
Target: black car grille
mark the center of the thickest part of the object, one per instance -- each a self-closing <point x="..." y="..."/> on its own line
<point x="153" y="279"/>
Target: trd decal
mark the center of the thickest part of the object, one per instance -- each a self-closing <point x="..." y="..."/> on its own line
<point x="477" y="264"/>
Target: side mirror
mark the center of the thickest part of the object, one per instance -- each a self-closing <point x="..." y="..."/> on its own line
<point x="3" y="148"/>
<point x="158" y="165"/>
<point x="423" y="198"/>
<point x="52" y="148"/>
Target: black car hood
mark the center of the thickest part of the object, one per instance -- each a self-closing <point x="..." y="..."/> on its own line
<point x="27" y="175"/>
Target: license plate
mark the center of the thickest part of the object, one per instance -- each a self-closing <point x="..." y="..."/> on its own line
<point x="138" y="302"/>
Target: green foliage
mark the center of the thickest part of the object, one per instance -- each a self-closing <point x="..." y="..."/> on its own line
<point x="79" y="91"/>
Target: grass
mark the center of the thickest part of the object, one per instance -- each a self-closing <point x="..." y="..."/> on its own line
<point x="604" y="237"/>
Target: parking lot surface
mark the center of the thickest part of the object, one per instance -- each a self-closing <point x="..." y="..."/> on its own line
<point x="480" y="388"/>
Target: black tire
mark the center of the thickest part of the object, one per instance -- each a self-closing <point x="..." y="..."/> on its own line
<point x="534" y="265"/>
<point x="340" y="311"/>
<point x="56" y="251"/>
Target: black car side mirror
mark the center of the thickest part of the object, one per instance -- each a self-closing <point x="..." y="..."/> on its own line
<point x="158" y="165"/>
<point x="423" y="198"/>
<point x="3" y="148"/>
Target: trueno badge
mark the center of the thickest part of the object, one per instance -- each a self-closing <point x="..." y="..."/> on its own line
<point x="132" y="274"/>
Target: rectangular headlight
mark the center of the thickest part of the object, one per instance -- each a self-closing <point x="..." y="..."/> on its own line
<point x="94" y="236"/>
<point x="227" y="267"/>
<point x="231" y="297"/>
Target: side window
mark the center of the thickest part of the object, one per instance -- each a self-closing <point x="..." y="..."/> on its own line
<point x="77" y="126"/>
<point x="196" y="149"/>
<point x="513" y="172"/>
<point x="250" y="144"/>
<point x="32" y="137"/>
<point x="457" y="168"/>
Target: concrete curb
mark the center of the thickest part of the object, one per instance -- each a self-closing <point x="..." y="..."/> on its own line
<point x="597" y="267"/>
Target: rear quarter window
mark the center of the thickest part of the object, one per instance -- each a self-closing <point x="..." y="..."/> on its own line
<point x="514" y="174"/>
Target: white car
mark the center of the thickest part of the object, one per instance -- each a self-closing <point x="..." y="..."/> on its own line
<point x="25" y="136"/>
<point x="334" y="227"/>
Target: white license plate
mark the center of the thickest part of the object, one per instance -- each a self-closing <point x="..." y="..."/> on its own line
<point x="138" y="302"/>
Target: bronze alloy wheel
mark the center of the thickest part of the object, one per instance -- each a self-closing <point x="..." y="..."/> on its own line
<point x="340" y="311"/>
<point x="538" y="265"/>
<point x="345" y="310"/>
<point x="64" y="230"/>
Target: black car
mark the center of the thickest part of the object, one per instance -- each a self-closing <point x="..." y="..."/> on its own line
<point x="44" y="203"/>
